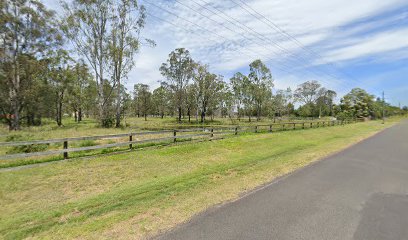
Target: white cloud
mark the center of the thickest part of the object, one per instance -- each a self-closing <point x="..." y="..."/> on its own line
<point x="316" y="23"/>
<point x="371" y="45"/>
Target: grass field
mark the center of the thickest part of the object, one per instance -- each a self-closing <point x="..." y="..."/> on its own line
<point x="137" y="194"/>
<point x="89" y="127"/>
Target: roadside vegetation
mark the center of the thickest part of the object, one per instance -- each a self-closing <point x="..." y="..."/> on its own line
<point x="64" y="75"/>
<point x="136" y="194"/>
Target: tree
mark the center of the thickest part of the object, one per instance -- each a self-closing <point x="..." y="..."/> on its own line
<point x="60" y="76"/>
<point x="282" y="102"/>
<point x="160" y="100"/>
<point x="308" y="92"/>
<point x="27" y="32"/>
<point x="357" y="103"/>
<point x="238" y="84"/>
<point x="325" y="101"/>
<point x="142" y="97"/>
<point x="178" y="71"/>
<point x="78" y="89"/>
<point x="207" y="86"/>
<point x="191" y="98"/>
<point x="86" y="25"/>
<point x="106" y="34"/>
<point x="127" y="22"/>
<point x="226" y="101"/>
<point x="217" y="100"/>
<point x="261" y="82"/>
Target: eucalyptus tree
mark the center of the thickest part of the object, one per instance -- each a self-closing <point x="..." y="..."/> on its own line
<point x="27" y="33"/>
<point x="208" y="88"/>
<point x="128" y="20"/>
<point x="226" y="100"/>
<point x="282" y="101"/>
<point x="178" y="71"/>
<point x="106" y="33"/>
<point x="160" y="100"/>
<point x="357" y="103"/>
<point x="191" y="100"/>
<point x="238" y="84"/>
<point x="60" y="76"/>
<point x="261" y="81"/>
<point x="79" y="89"/>
<point x="143" y="99"/>
<point x="326" y="101"/>
<point x="308" y="92"/>
<point x="216" y="100"/>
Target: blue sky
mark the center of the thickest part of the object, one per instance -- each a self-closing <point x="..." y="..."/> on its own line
<point x="344" y="43"/>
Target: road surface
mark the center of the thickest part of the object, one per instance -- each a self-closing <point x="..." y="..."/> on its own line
<point x="359" y="193"/>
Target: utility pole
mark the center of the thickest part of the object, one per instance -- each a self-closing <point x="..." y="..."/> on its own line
<point x="383" y="107"/>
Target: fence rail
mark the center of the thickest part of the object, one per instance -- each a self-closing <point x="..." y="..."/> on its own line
<point x="194" y="133"/>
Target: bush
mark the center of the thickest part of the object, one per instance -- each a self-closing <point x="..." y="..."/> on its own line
<point x="108" y="122"/>
<point x="28" y="148"/>
<point x="87" y="143"/>
<point x="24" y="148"/>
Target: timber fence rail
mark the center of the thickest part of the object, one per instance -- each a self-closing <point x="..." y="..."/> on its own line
<point x="206" y="133"/>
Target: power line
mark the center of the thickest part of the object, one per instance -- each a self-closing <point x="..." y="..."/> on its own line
<point x="276" y="29"/>
<point x="207" y="17"/>
<point x="275" y="43"/>
<point x="215" y="33"/>
<point x="290" y="37"/>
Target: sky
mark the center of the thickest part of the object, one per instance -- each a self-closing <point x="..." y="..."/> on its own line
<point x="340" y="43"/>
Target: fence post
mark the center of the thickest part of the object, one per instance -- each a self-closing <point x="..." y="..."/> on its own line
<point x="324" y="123"/>
<point x="283" y="127"/>
<point x="236" y="130"/>
<point x="130" y="140"/>
<point x="65" y="147"/>
<point x="294" y="126"/>
<point x="212" y="132"/>
<point x="270" y="128"/>
<point x="311" y="124"/>
<point x="174" y="135"/>
<point x="303" y="125"/>
<point x="256" y="129"/>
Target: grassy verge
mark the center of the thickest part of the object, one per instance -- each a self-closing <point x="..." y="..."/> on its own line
<point x="136" y="194"/>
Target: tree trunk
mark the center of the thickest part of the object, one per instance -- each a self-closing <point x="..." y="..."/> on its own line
<point x="14" y="91"/>
<point x="79" y="114"/>
<point x="179" y="114"/>
<point x="60" y="97"/>
<point x="118" y="107"/>
<point x="203" y="114"/>
<point x="102" y="115"/>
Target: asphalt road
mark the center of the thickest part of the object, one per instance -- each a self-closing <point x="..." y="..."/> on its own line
<point x="359" y="193"/>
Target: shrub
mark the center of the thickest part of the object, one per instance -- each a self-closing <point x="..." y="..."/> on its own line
<point x="87" y="143"/>
<point x="28" y="148"/>
<point x="24" y="148"/>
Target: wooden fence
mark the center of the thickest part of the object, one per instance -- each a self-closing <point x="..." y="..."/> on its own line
<point x="181" y="134"/>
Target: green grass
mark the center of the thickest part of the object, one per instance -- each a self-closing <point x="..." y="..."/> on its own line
<point x="136" y="194"/>
<point x="89" y="127"/>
